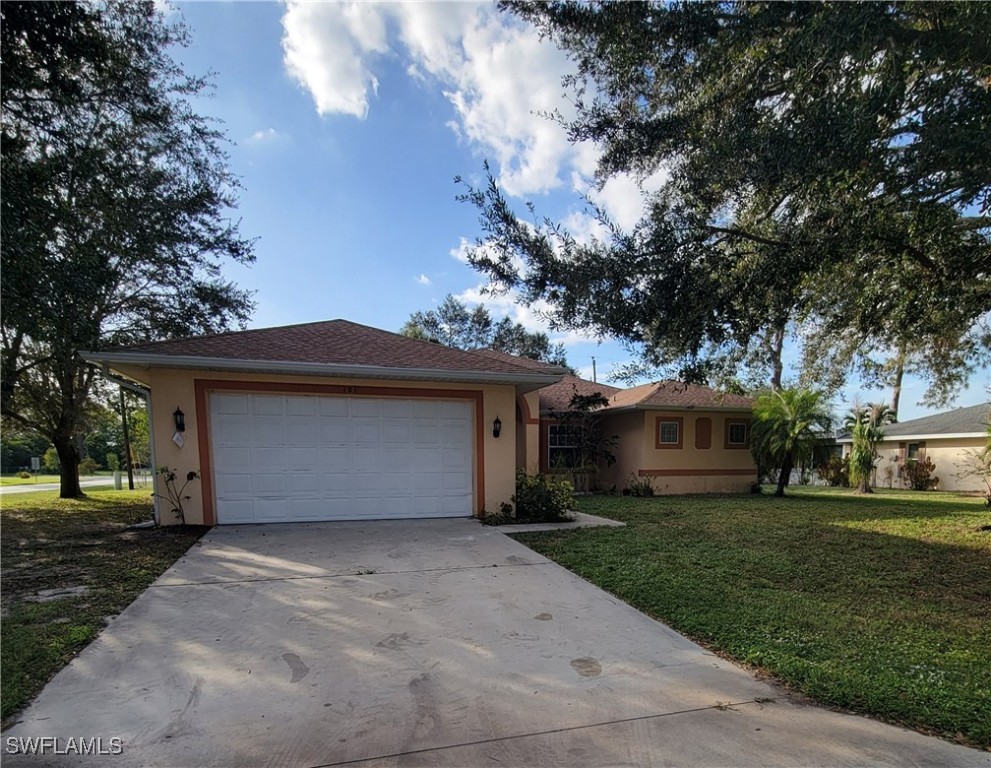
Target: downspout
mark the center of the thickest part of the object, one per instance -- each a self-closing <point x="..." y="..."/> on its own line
<point x="146" y="394"/>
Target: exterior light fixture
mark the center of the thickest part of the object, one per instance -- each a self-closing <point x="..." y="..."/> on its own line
<point x="180" y="420"/>
<point x="496" y="427"/>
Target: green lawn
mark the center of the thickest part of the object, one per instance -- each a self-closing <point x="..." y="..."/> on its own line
<point x="50" y="543"/>
<point x="15" y="480"/>
<point x="877" y="604"/>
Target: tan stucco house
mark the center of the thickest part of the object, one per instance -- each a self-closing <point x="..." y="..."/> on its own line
<point x="339" y="421"/>
<point x="950" y="440"/>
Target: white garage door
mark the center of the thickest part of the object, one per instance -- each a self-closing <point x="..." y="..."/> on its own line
<point x="285" y="458"/>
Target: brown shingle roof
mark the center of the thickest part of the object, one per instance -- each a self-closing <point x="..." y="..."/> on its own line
<point x="674" y="394"/>
<point x="333" y="342"/>
<point x="539" y="366"/>
<point x="557" y="397"/>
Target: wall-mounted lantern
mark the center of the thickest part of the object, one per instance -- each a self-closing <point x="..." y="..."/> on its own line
<point x="496" y="427"/>
<point x="180" y="420"/>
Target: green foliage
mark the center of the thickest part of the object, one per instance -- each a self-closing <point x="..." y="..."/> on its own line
<point x="863" y="455"/>
<point x="787" y="425"/>
<point x="50" y="460"/>
<point x="876" y="604"/>
<point x="638" y="486"/>
<point x="17" y="448"/>
<point x="88" y="466"/>
<point x="116" y="204"/>
<point x="542" y="499"/>
<point x="24" y="475"/>
<point x="592" y="447"/>
<point x="823" y="173"/>
<point x="113" y="462"/>
<point x="917" y="474"/>
<point x="455" y="325"/>
<point x="836" y="471"/>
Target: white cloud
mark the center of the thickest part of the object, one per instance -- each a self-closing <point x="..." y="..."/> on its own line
<point x="423" y="280"/>
<point x="329" y="49"/>
<point x="266" y="135"/>
<point x="494" y="70"/>
<point x="536" y="317"/>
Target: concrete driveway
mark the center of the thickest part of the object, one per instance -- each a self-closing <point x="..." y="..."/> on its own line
<point x="434" y="643"/>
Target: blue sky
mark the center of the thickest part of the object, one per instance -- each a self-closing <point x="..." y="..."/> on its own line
<point x="349" y="124"/>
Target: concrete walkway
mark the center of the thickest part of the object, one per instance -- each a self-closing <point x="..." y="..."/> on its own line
<point x="433" y="643"/>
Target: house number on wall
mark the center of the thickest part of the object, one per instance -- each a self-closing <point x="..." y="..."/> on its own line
<point x="349" y="390"/>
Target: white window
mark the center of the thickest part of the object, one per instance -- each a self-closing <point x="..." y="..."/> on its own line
<point x="563" y="445"/>
<point x="737" y="433"/>
<point x="669" y="433"/>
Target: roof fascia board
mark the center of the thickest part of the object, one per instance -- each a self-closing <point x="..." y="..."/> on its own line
<point x="922" y="436"/>
<point x="320" y="369"/>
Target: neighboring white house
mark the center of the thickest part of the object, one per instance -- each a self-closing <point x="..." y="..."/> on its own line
<point x="950" y="440"/>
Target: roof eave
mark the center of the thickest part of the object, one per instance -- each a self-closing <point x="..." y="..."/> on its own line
<point x="525" y="382"/>
<point x="922" y="436"/>
<point x="686" y="408"/>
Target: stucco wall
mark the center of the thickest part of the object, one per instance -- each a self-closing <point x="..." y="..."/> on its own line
<point x="687" y="468"/>
<point x="628" y="429"/>
<point x="950" y="456"/>
<point x="172" y="388"/>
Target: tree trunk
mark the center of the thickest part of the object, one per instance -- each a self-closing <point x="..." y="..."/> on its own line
<point x="786" y="467"/>
<point x="777" y="366"/>
<point x="68" y="456"/>
<point x="896" y="382"/>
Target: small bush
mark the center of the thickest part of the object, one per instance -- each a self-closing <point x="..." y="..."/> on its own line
<point x="24" y="475"/>
<point x="88" y="466"/>
<point x="917" y="474"/>
<point x="542" y="499"/>
<point x="638" y="486"/>
<point x="113" y="462"/>
<point x="836" y="472"/>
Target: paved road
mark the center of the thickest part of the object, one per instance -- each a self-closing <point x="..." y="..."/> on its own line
<point x="422" y="643"/>
<point x="85" y="482"/>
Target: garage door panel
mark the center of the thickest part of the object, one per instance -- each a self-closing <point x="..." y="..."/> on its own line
<point x="240" y="511"/>
<point x="268" y="405"/>
<point x="366" y="407"/>
<point x="271" y="430"/>
<point x="333" y="406"/>
<point x="305" y="483"/>
<point x="276" y="457"/>
<point x="335" y="431"/>
<point x="303" y="430"/>
<point x="233" y="484"/>
<point x="232" y="458"/>
<point x="271" y="510"/>
<point x="269" y="483"/>
<point x="309" y="458"/>
<point x="396" y="431"/>
<point x="334" y="460"/>
<point x="302" y="406"/>
<point x="230" y="404"/>
<point x="229" y="428"/>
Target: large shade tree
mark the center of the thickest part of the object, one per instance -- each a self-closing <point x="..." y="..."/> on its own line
<point x="827" y="174"/>
<point x="456" y="324"/>
<point x="116" y="197"/>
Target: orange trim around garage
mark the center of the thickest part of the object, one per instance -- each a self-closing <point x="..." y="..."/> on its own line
<point x="694" y="472"/>
<point x="525" y="409"/>
<point x="203" y="386"/>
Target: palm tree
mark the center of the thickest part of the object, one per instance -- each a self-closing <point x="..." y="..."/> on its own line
<point x="787" y="423"/>
<point x="865" y="423"/>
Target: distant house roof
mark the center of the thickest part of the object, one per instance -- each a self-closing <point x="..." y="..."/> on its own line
<point x="557" y="397"/>
<point x="675" y="395"/>
<point x="331" y="347"/>
<point x="962" y="422"/>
